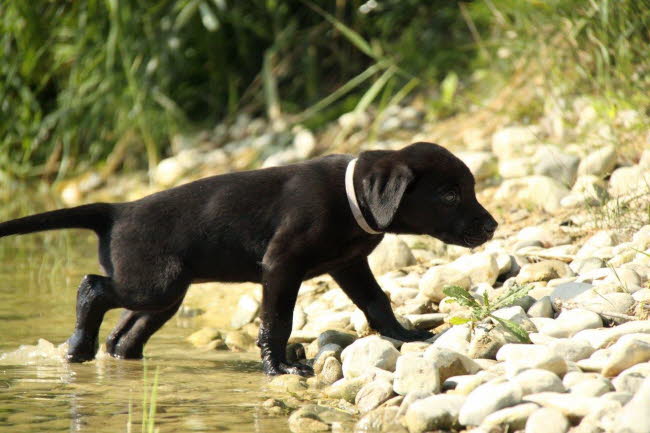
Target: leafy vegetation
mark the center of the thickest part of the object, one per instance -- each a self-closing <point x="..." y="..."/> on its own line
<point x="484" y="310"/>
<point x="81" y="82"/>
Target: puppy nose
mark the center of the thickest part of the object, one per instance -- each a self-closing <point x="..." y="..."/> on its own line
<point x="490" y="226"/>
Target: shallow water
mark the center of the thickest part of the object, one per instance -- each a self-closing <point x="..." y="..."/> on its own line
<point x="197" y="391"/>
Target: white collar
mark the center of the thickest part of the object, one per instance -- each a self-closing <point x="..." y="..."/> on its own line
<point x="352" y="199"/>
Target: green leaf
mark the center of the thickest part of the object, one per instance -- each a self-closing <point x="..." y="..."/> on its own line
<point x="515" y="292"/>
<point x="461" y="295"/>
<point x="513" y="328"/>
<point x="459" y="320"/>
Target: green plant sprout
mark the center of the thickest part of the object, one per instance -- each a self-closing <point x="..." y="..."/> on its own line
<point x="480" y="312"/>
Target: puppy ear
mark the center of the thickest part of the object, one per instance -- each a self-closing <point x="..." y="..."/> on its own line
<point x="383" y="188"/>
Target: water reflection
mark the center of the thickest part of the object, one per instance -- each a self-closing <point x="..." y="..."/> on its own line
<point x="197" y="391"/>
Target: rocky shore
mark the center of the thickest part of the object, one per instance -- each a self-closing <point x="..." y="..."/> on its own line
<point x="574" y="212"/>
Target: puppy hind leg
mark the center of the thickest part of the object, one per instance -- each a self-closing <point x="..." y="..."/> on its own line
<point x="125" y="323"/>
<point x="131" y="334"/>
<point x="95" y="297"/>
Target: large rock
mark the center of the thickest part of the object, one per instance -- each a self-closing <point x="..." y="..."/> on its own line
<point x="381" y="420"/>
<point x="635" y="416"/>
<point x="488" y="398"/>
<point x="507" y="142"/>
<point x="481" y="268"/>
<point x="368" y="352"/>
<point x="630" y="380"/>
<point x="391" y="253"/>
<point x="537" y="380"/>
<point x="629" y="180"/>
<point x="247" y="309"/>
<point x="599" y="162"/>
<point x="541" y="191"/>
<point x="552" y="162"/>
<point x="438" y="412"/>
<point x="511" y="418"/>
<point x="626" y="355"/>
<point x="544" y="271"/>
<point x="437" y="278"/>
<point x="547" y="420"/>
<point x="449" y="363"/>
<point x="570" y="322"/>
<point x="372" y="394"/>
<point x="572" y="406"/>
<point x="314" y="418"/>
<point x="483" y="165"/>
<point x="414" y="374"/>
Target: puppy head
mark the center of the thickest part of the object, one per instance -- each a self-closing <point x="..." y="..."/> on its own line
<point x="422" y="189"/>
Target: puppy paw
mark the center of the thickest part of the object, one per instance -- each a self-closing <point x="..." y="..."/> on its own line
<point x="80" y="348"/>
<point x="288" y="368"/>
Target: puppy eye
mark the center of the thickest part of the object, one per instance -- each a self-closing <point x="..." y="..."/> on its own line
<point x="450" y="197"/>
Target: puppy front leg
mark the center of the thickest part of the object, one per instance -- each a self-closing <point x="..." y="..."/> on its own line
<point x="281" y="285"/>
<point x="358" y="282"/>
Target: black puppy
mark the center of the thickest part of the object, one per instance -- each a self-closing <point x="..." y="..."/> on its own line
<point x="276" y="226"/>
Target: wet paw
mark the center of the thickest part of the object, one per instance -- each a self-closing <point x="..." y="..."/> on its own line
<point x="288" y="368"/>
<point x="80" y="349"/>
<point x="123" y="349"/>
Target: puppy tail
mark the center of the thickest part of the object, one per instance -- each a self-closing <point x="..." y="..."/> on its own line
<point x="96" y="216"/>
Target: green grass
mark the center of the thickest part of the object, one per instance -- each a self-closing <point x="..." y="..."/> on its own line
<point x="81" y="81"/>
<point x="149" y="401"/>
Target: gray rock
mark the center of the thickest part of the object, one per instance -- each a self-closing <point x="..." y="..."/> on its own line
<point x="488" y="398"/>
<point x="437" y="278"/>
<point x="603" y="303"/>
<point x="630" y="380"/>
<point x="599" y="162"/>
<point x="481" y="267"/>
<point x="449" y="363"/>
<point x="512" y="418"/>
<point x="592" y="387"/>
<point x="380" y="420"/>
<point x="570" y="322"/>
<point x="542" y="308"/>
<point x="327" y="351"/>
<point x="635" y="417"/>
<point x="517" y="315"/>
<point x="544" y="271"/>
<point x="416" y="375"/>
<point x="626" y="355"/>
<point x="368" y="352"/>
<point x="426" y="321"/>
<point x="566" y="291"/>
<point x="456" y="338"/>
<point x="204" y="336"/>
<point x="628" y="180"/>
<point x="571" y="349"/>
<point x="547" y="420"/>
<point x="342" y="339"/>
<point x="516" y="167"/>
<point x="391" y="253"/>
<point x="552" y="162"/>
<point x="483" y="165"/>
<point x="247" y="309"/>
<point x="331" y="371"/>
<point x="434" y="413"/>
<point x="507" y="142"/>
<point x="238" y="341"/>
<point x="586" y="264"/>
<point x="536" y="380"/>
<point x="372" y="394"/>
<point x="540" y="191"/>
<point x="572" y="406"/>
<point x="599" y="338"/>
<point x="314" y="418"/>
